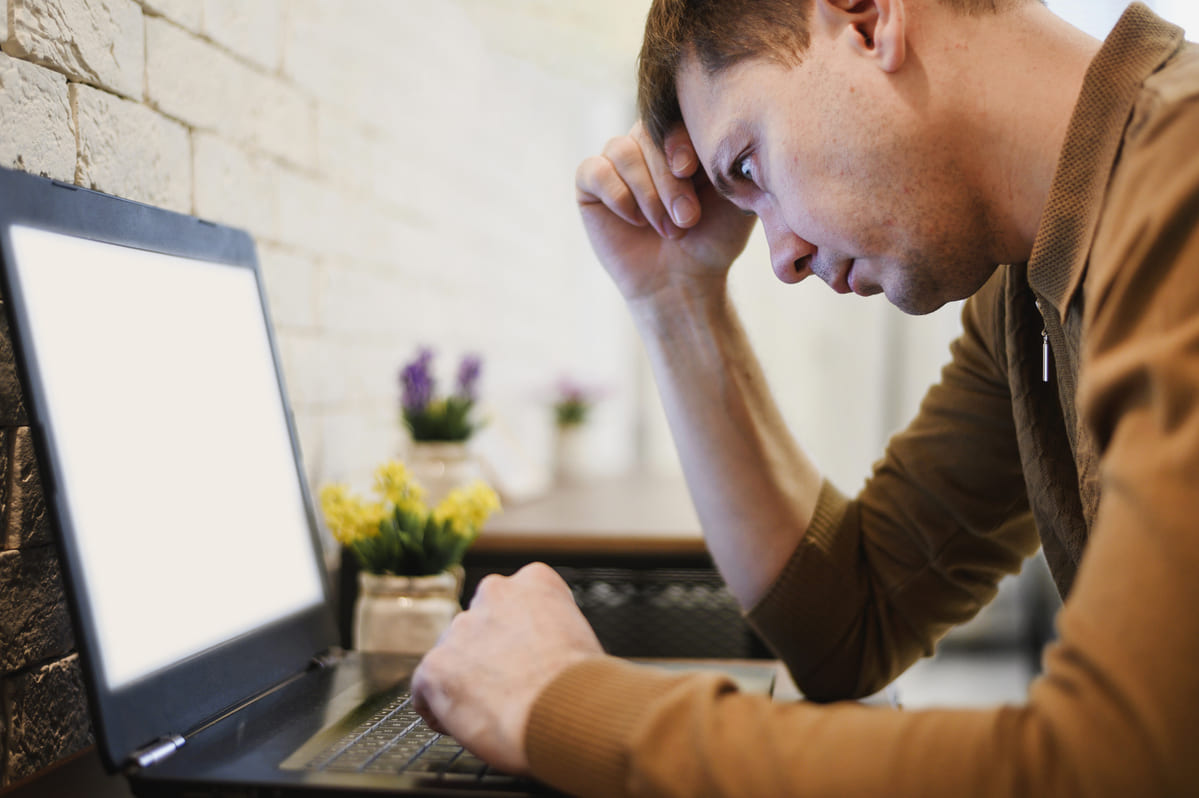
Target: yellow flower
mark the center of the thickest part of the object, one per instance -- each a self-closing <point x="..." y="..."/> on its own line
<point x="467" y="508"/>
<point x="339" y="509"/>
<point x="348" y="517"/>
<point x="394" y="483"/>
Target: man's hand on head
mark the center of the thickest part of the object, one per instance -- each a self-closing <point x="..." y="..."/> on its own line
<point x="480" y="681"/>
<point x="652" y="215"/>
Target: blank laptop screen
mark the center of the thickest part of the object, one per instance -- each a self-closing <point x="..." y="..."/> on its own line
<point x="178" y="467"/>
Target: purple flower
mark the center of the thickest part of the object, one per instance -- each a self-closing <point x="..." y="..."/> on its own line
<point x="571" y="391"/>
<point x="416" y="381"/>
<point x="574" y="401"/>
<point x="468" y="376"/>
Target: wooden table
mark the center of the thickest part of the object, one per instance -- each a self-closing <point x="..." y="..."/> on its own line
<point x="630" y="517"/>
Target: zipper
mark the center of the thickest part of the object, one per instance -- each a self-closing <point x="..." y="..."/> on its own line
<point x="1044" y="345"/>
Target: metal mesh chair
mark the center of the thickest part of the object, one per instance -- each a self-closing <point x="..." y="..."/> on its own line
<point x="675" y="612"/>
<point x="659" y="612"/>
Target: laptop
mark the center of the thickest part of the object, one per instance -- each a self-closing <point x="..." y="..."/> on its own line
<point x="188" y="540"/>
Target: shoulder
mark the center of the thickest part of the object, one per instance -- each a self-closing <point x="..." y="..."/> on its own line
<point x="1151" y="211"/>
<point x="1177" y="81"/>
<point x="1165" y="116"/>
<point x="1142" y="284"/>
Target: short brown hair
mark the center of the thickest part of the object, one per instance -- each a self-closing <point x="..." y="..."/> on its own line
<point x="721" y="33"/>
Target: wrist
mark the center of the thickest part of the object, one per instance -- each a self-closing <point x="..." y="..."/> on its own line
<point x="680" y="305"/>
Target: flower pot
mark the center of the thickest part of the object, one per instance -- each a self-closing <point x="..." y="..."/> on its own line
<point x="570" y="454"/>
<point x="404" y="614"/>
<point x="441" y="466"/>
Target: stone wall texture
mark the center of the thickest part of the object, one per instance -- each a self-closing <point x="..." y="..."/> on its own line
<point x="43" y="707"/>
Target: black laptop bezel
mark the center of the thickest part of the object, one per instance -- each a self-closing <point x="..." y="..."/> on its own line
<point x="191" y="692"/>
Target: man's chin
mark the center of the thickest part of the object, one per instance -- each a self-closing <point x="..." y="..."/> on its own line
<point x="919" y="298"/>
<point x="916" y="304"/>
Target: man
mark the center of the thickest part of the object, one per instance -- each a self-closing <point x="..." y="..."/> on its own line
<point x="907" y="147"/>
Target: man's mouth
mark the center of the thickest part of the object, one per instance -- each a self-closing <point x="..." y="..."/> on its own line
<point x="859" y="283"/>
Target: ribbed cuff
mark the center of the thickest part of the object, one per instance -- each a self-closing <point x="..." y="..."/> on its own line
<point x="801" y="630"/>
<point x="581" y="724"/>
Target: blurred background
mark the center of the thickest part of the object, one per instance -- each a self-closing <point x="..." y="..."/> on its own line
<point x="435" y="208"/>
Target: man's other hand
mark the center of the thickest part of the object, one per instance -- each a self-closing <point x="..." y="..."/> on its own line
<point x="480" y="681"/>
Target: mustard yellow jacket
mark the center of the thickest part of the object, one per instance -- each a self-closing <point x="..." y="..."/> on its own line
<point x="1068" y="417"/>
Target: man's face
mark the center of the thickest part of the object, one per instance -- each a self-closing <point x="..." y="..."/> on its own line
<point x="850" y="181"/>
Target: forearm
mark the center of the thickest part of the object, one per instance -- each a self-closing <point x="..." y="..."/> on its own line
<point x="753" y="488"/>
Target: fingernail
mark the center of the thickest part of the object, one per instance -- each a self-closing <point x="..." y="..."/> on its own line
<point x="680" y="160"/>
<point x="685" y="210"/>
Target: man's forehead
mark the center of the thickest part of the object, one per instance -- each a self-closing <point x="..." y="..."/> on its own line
<point x="703" y="105"/>
<point x="713" y="112"/>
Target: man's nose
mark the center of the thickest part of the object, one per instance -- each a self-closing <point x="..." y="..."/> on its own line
<point x="790" y="255"/>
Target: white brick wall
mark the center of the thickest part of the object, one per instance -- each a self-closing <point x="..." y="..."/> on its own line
<point x="92" y="42"/>
<point x="129" y="150"/>
<point x="203" y="86"/>
<point x="250" y="28"/>
<point x="36" y="131"/>
<point x="187" y="13"/>
<point x="234" y="186"/>
<point x="358" y="156"/>
<point x="292" y="287"/>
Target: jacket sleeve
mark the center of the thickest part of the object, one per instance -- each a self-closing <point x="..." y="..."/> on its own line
<point x="877" y="581"/>
<point x="1116" y="711"/>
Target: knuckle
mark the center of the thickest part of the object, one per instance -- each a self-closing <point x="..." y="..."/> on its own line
<point x="486" y="587"/>
<point x="535" y="571"/>
<point x="458" y="622"/>
<point x="491" y="581"/>
<point x="641" y="133"/>
<point x="622" y="150"/>
<point x="590" y="168"/>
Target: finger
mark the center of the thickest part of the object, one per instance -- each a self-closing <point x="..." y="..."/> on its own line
<point x="545" y="577"/>
<point x="671" y="171"/>
<point x="483" y="591"/>
<point x="597" y="183"/>
<point x="680" y="152"/>
<point x="630" y="160"/>
<point x="420" y="699"/>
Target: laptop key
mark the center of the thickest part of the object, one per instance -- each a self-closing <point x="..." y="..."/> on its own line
<point x="467" y="763"/>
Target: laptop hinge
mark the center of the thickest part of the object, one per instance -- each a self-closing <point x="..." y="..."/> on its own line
<point x="164" y="747"/>
<point x="156" y="751"/>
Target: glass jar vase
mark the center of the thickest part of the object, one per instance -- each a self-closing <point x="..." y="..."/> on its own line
<point x="404" y="614"/>
<point x="441" y="466"/>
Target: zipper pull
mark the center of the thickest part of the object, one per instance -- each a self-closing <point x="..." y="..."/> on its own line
<point x="1044" y="355"/>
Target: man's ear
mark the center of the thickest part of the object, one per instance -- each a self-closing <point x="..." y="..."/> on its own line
<point x="876" y="28"/>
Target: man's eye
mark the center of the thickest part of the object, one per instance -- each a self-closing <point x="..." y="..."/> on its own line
<point x="745" y="169"/>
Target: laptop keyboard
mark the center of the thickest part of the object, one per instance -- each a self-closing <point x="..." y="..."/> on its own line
<point x="395" y="739"/>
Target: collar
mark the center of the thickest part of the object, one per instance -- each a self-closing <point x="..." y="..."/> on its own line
<point x="1138" y="45"/>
